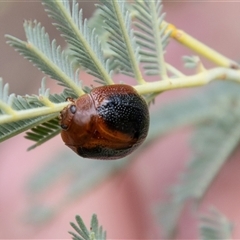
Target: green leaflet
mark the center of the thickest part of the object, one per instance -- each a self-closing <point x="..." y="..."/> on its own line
<point x="214" y="226"/>
<point x="95" y="231"/>
<point x="42" y="133"/>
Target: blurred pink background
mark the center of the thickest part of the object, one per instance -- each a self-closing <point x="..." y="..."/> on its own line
<point x="125" y="202"/>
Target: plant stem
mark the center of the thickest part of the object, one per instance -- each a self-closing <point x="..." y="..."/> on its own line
<point x="31" y="113"/>
<point x="174" y="71"/>
<point x="199" y="79"/>
<point x="200" y="48"/>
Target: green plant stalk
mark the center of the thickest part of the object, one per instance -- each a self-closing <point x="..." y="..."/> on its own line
<point x="92" y="236"/>
<point x="6" y="108"/>
<point x="199" y="79"/>
<point x="84" y="42"/>
<point x="24" y="128"/>
<point x="31" y="113"/>
<point x="200" y="48"/>
<point x="174" y="71"/>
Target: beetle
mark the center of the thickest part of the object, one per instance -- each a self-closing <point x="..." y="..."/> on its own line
<point x="108" y="123"/>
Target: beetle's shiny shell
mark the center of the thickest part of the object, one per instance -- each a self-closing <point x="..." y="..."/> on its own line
<point x="108" y="123"/>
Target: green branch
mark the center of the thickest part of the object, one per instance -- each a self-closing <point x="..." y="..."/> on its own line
<point x="199" y="47"/>
<point x="199" y="79"/>
<point x="31" y="113"/>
